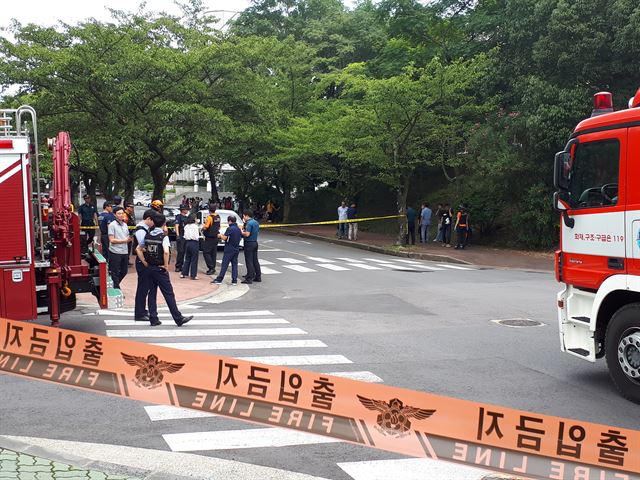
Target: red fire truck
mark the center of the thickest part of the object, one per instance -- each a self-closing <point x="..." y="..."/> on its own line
<point x="597" y="179"/>
<point x="41" y="266"/>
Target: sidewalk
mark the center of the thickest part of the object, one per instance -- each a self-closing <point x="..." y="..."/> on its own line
<point x="185" y="289"/>
<point x="473" y="254"/>
<point x="20" y="466"/>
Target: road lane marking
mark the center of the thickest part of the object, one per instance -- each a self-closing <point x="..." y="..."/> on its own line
<point x="350" y="260"/>
<point x="299" y="360"/>
<point x="407" y="261"/>
<point x="294" y="261"/>
<point x="235" y="313"/>
<point x="159" y="413"/>
<point x="455" y="267"/>
<point x="268" y="271"/>
<point x="410" y="469"/>
<point x="155" y="332"/>
<point x="299" y="268"/>
<point x="362" y="376"/>
<point x="376" y="260"/>
<point x="320" y="259"/>
<point x="244" y="345"/>
<point x="265" y="262"/>
<point x="233" y="321"/>
<point x="331" y="266"/>
<point x="364" y="266"/>
<point x="246" y="438"/>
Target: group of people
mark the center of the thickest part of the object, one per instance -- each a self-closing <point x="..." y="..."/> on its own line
<point x="446" y="224"/>
<point x="347" y="226"/>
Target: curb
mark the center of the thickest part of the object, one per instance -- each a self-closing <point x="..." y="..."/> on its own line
<point x="81" y="462"/>
<point x="373" y="248"/>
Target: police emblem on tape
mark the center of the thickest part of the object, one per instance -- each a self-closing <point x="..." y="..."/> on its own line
<point x="394" y="415"/>
<point x="149" y="375"/>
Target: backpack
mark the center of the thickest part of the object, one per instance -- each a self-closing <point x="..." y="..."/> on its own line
<point x="154" y="252"/>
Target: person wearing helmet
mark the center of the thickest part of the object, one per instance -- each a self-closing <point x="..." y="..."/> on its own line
<point x="157" y="205"/>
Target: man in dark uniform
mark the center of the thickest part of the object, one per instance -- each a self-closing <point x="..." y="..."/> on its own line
<point x="210" y="230"/>
<point x="88" y="218"/>
<point x="180" y="241"/>
<point x="153" y="252"/>
<point x="250" y="233"/>
<point x="130" y="212"/>
<point x="231" y="237"/>
<point x="104" y="219"/>
<point x="141" y="314"/>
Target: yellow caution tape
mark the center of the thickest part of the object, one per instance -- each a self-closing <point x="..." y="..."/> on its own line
<point x="327" y="222"/>
<point x="303" y="224"/>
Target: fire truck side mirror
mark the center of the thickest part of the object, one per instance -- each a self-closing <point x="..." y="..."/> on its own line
<point x="561" y="169"/>
<point x="559" y="205"/>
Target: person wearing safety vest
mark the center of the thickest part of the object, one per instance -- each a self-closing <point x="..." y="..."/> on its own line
<point x="210" y="230"/>
<point x="153" y="252"/>
<point x="462" y="227"/>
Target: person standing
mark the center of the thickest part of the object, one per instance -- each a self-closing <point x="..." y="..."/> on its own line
<point x="352" y="214"/>
<point x="462" y="227"/>
<point x="447" y="216"/>
<point x="154" y="251"/>
<point x="210" y="230"/>
<point x="141" y="314"/>
<point x="438" y="215"/>
<point x="118" y="247"/>
<point x="250" y="231"/>
<point x="88" y="218"/>
<point x="180" y="241"/>
<point x="129" y="210"/>
<point x="191" y="237"/>
<point x="105" y="218"/>
<point x="231" y="238"/>
<point x="411" y="225"/>
<point x="425" y="223"/>
<point x="342" y="215"/>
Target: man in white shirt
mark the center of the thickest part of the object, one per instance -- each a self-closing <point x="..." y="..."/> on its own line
<point x="342" y="215"/>
<point x="118" y="247"/>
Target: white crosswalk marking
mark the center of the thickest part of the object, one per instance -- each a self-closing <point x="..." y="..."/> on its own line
<point x="411" y="469"/>
<point x="454" y="267"/>
<point x="426" y="267"/>
<point x="406" y="261"/>
<point x="377" y="260"/>
<point x="249" y="313"/>
<point x="265" y="262"/>
<point x="247" y="438"/>
<point x="299" y="359"/>
<point x="156" y="332"/>
<point x="362" y="376"/>
<point x="350" y="260"/>
<point x="331" y="266"/>
<point x="246" y="345"/>
<point x="231" y="324"/>
<point x="364" y="266"/>
<point x="233" y="321"/>
<point x="268" y="271"/>
<point x="294" y="261"/>
<point x="240" y="264"/>
<point x="299" y="268"/>
<point x="320" y="259"/>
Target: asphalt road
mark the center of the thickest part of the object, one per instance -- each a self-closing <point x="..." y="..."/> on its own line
<point x="412" y="324"/>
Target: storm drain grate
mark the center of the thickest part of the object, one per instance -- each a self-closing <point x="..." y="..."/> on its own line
<point x="518" y="322"/>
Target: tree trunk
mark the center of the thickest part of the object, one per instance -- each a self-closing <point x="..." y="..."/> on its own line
<point x="401" y="201"/>
<point x="159" y="183"/>
<point x="211" y="171"/>
<point x="286" y="203"/>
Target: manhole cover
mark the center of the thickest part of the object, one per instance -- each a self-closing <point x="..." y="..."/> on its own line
<point x="518" y="322"/>
<point x="408" y="270"/>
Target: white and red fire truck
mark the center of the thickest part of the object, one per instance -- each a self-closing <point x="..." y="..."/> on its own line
<point x="597" y="177"/>
<point x="41" y="266"/>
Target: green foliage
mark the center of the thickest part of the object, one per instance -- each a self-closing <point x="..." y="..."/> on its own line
<point x="312" y="102"/>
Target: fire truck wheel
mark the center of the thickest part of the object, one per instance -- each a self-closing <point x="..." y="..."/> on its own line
<point x="622" y="351"/>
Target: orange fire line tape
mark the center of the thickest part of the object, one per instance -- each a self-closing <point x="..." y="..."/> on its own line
<point x="373" y="415"/>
